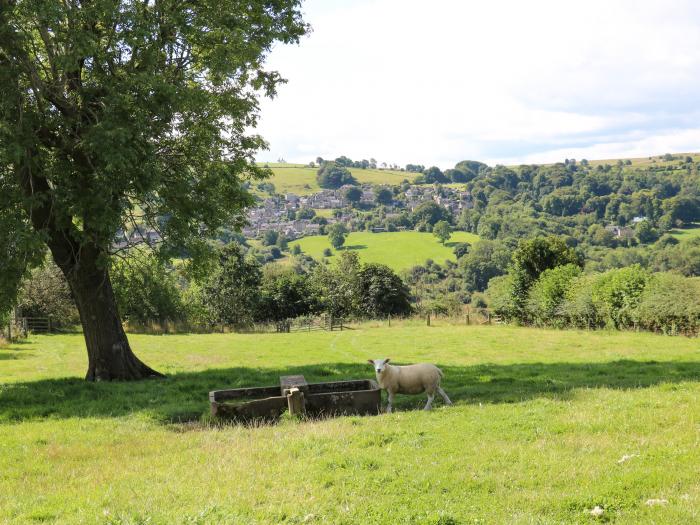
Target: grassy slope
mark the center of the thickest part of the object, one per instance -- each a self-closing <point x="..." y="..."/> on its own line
<point x="686" y="234"/>
<point x="399" y="250"/>
<point x="541" y="419"/>
<point x="296" y="178"/>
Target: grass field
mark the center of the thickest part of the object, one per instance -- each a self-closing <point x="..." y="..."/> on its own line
<point x="301" y="180"/>
<point x="541" y="424"/>
<point x="686" y="234"/>
<point x="398" y="250"/>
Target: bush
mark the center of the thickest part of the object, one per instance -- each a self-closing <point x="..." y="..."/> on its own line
<point x="617" y="293"/>
<point x="578" y="305"/>
<point x="501" y="298"/>
<point x="146" y="290"/>
<point x="548" y="293"/>
<point x="382" y="292"/>
<point x="45" y="293"/>
<point x="232" y="291"/>
<point x="284" y="294"/>
<point x="670" y="304"/>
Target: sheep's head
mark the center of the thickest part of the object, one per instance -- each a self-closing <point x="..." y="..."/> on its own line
<point x="379" y="364"/>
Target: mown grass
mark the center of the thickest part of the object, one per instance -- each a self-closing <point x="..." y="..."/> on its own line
<point x="301" y="180"/>
<point x="398" y="250"/>
<point x="540" y="422"/>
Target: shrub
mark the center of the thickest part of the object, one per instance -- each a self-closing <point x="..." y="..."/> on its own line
<point x="45" y="293"/>
<point x="617" y="294"/>
<point x="670" y="304"/>
<point x="284" y="294"/>
<point x="547" y="295"/>
<point x="501" y="297"/>
<point x="531" y="259"/>
<point x="146" y="290"/>
<point x="578" y="305"/>
<point x="231" y="292"/>
<point x="478" y="300"/>
<point x="382" y="292"/>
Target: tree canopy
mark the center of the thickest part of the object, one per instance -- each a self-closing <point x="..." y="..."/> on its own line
<point x="116" y="115"/>
<point x="332" y="175"/>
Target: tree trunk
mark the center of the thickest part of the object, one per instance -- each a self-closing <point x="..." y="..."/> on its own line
<point x="109" y="355"/>
<point x="84" y="265"/>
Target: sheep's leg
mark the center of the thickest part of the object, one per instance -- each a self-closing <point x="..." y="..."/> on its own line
<point x="444" y="396"/>
<point x="390" y="401"/>
<point x="429" y="404"/>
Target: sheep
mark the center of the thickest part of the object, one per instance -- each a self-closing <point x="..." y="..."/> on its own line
<point x="410" y="379"/>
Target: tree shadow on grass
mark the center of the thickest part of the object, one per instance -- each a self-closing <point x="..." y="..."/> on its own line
<point x="11" y="355"/>
<point x="355" y="247"/>
<point x="184" y="396"/>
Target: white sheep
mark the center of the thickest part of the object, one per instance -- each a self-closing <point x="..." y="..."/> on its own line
<point x="410" y="379"/>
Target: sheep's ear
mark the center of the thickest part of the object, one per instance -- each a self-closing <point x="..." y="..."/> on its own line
<point x="387" y="360"/>
<point x="370" y="361"/>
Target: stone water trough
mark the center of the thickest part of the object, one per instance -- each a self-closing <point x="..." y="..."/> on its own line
<point x="357" y="397"/>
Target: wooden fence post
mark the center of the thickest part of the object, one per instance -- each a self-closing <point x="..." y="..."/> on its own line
<point x="389" y="319"/>
<point x="427" y="319"/>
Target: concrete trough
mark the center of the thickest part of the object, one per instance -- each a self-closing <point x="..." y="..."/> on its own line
<point x="268" y="403"/>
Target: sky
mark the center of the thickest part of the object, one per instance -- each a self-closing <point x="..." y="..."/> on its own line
<point x="499" y="81"/>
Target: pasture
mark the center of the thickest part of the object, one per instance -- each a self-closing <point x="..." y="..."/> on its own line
<point x="301" y="180"/>
<point x="546" y="426"/>
<point x="398" y="250"/>
<point x="686" y="234"/>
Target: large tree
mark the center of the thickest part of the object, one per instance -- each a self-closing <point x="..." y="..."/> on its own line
<point x="118" y="113"/>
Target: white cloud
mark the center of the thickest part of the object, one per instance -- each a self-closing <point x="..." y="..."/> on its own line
<point x="499" y="80"/>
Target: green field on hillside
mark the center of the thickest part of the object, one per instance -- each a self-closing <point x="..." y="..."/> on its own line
<point x="398" y="250"/>
<point x="546" y="426"/>
<point x="686" y="234"/>
<point x="301" y="180"/>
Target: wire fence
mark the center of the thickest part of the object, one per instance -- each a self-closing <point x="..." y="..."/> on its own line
<point x="21" y="327"/>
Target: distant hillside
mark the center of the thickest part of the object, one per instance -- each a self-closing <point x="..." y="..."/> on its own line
<point x="301" y="180"/>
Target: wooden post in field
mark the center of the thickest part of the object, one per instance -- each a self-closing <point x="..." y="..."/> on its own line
<point x="389" y="318"/>
<point x="427" y="319"/>
<point x="488" y="314"/>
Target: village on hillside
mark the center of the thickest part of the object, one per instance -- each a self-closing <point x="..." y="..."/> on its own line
<point x="284" y="213"/>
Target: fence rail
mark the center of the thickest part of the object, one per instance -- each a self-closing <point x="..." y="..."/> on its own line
<point x="22" y="326"/>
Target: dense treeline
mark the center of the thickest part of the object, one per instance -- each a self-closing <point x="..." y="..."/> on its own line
<point x="236" y="291"/>
<point x="576" y="199"/>
<point x="544" y="289"/>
